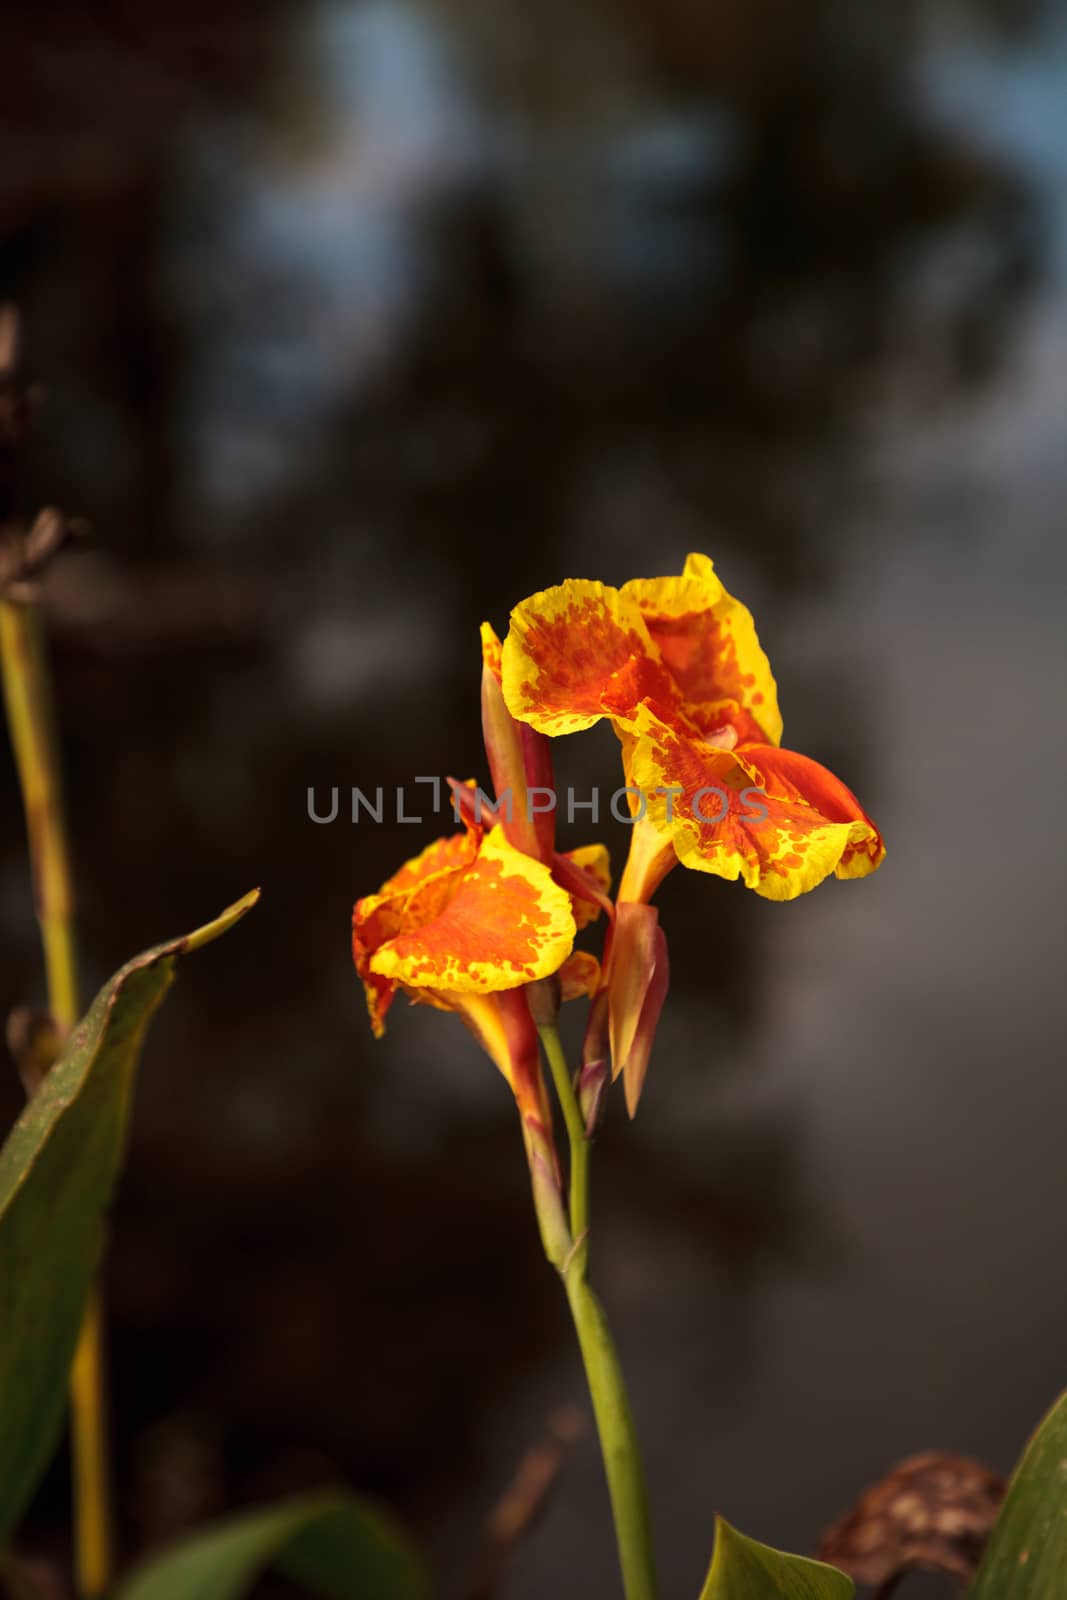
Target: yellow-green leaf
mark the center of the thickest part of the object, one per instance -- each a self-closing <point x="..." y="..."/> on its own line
<point x="1026" y="1557"/>
<point x="57" y="1172"/>
<point x="741" y="1569"/>
<point x="332" y="1544"/>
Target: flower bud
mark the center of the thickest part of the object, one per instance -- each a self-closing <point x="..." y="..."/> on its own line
<point x="593" y="1079"/>
<point x="637" y="988"/>
<point x="519" y="760"/>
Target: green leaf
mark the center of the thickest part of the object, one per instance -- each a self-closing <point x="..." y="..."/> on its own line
<point x="1026" y="1556"/>
<point x="57" y="1173"/>
<point x="741" y="1569"/>
<point x="331" y="1543"/>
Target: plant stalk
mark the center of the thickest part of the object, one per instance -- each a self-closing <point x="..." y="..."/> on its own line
<point x="31" y="720"/>
<point x="611" y="1407"/>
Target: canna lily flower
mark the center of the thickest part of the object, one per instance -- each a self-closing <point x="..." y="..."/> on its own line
<point x="464" y="926"/>
<point x="469" y="918"/>
<point x="676" y="665"/>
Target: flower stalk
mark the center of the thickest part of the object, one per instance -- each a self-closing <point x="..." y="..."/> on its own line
<point x="31" y="720"/>
<point x="611" y="1407"/>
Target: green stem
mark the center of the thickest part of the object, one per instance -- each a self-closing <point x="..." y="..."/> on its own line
<point x="28" y="697"/>
<point x="618" y="1440"/>
<point x="578" y="1183"/>
<point x="607" y="1388"/>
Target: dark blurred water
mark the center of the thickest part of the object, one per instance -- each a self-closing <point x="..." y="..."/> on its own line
<point x="359" y="322"/>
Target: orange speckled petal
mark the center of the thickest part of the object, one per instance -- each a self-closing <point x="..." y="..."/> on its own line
<point x="450" y="856"/>
<point x="567" y="648"/>
<point x="708" y="641"/>
<point x="789" y="777"/>
<point x="774" y="819"/>
<point x="415" y="894"/>
<point x="506" y="924"/>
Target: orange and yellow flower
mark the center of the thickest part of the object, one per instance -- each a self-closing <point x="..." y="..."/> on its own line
<point x="676" y="665"/>
<point x="463" y="927"/>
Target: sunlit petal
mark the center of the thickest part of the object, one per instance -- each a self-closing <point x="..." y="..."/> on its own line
<point x="566" y="649"/>
<point x="776" y="820"/>
<point x="415" y="894"/>
<point x="507" y="923"/>
<point x="708" y="641"/>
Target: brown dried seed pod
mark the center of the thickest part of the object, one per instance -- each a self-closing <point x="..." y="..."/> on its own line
<point x="932" y="1513"/>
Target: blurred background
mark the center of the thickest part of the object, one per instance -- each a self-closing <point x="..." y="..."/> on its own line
<point x="355" y="322"/>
